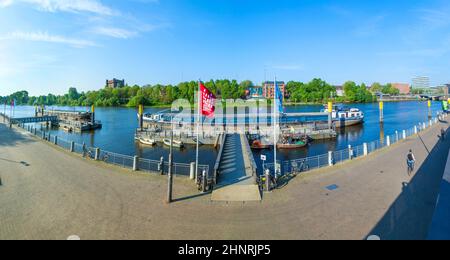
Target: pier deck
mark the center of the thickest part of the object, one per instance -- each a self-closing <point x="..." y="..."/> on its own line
<point x="236" y="181"/>
<point x="95" y="201"/>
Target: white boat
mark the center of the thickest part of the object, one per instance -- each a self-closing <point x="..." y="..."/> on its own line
<point x="146" y="141"/>
<point x="344" y="116"/>
<point x="176" y="143"/>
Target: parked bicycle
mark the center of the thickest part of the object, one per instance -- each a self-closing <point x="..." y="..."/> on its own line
<point x="297" y="169"/>
<point x="105" y="157"/>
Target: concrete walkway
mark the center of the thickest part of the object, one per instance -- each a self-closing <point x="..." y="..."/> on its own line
<point x="48" y="193"/>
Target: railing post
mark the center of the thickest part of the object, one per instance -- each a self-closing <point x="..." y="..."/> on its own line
<point x="161" y="166"/>
<point x="350" y="152"/>
<point x="388" y="140"/>
<point x="330" y="159"/>
<point x="72" y="147"/>
<point x="424" y="125"/>
<point x="415" y="129"/>
<point x="404" y="134"/>
<point x="97" y="154"/>
<point x="135" y="163"/>
<point x="267" y="173"/>
<point x="396" y="136"/>
<point x="366" y="150"/>
<point x="204" y="181"/>
<point x="192" y="171"/>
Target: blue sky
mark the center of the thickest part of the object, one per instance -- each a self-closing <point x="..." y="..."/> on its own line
<point x="47" y="46"/>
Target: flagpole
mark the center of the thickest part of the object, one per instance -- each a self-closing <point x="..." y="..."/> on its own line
<point x="275" y="127"/>
<point x="198" y="129"/>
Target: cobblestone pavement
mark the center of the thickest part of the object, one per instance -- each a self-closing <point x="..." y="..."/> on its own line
<point x="48" y="193"/>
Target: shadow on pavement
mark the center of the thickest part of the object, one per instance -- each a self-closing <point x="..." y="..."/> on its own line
<point x="10" y="137"/>
<point x="410" y="216"/>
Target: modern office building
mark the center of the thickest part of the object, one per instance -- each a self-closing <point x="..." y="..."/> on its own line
<point x="421" y="82"/>
<point x="115" y="83"/>
<point x="269" y="86"/>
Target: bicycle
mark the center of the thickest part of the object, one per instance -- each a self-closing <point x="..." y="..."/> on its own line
<point x="105" y="157"/>
<point x="296" y="169"/>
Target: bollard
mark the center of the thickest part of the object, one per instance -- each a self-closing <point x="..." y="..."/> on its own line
<point x="396" y="136"/>
<point x="56" y="140"/>
<point x="350" y="152"/>
<point x="35" y="131"/>
<point x="1" y="184"/>
<point x="161" y="166"/>
<point x="267" y="175"/>
<point x="204" y="181"/>
<point x="435" y="120"/>
<point x="424" y="125"/>
<point x="72" y="147"/>
<point x="415" y="129"/>
<point x="404" y="134"/>
<point x="97" y="154"/>
<point x="366" y="150"/>
<point x="135" y="163"/>
<point x="192" y="171"/>
<point x="43" y="135"/>
<point x="388" y="140"/>
<point x="49" y="137"/>
<point x="330" y="159"/>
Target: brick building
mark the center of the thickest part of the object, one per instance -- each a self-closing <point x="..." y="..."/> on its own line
<point x="115" y="83"/>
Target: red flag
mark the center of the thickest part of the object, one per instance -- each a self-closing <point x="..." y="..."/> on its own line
<point x="207" y="103"/>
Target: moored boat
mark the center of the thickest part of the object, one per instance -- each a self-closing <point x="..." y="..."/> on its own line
<point x="344" y="116"/>
<point x="292" y="142"/>
<point x="176" y="143"/>
<point x="146" y="141"/>
<point x="257" y="142"/>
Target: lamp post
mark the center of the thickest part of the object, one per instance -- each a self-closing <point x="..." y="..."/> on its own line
<point x="170" y="177"/>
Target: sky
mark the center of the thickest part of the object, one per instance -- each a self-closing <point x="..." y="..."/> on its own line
<point x="47" y="46"/>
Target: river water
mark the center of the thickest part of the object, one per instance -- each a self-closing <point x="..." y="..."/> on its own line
<point x="119" y="124"/>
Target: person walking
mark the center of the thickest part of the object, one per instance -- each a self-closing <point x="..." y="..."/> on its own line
<point x="411" y="161"/>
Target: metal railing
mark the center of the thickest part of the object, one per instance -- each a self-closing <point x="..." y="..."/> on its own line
<point x="124" y="161"/>
<point x="337" y="157"/>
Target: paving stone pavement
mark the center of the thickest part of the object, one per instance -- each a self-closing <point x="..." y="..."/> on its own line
<point x="48" y="193"/>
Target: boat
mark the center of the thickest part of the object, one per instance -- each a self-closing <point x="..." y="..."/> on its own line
<point x="176" y="143"/>
<point x="152" y="117"/>
<point x="292" y="142"/>
<point x="258" y="143"/>
<point x="146" y="141"/>
<point x="343" y="116"/>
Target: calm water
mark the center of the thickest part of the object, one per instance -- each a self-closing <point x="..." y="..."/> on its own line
<point x="119" y="125"/>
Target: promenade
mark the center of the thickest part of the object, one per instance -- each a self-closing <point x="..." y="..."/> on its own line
<point x="48" y="193"/>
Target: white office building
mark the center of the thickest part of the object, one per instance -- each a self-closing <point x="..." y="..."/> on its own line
<point x="421" y="82"/>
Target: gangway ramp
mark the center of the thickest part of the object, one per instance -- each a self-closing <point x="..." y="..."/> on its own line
<point x="236" y="178"/>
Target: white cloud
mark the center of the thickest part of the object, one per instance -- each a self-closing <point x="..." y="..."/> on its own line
<point x="114" y="32"/>
<point x="435" y="18"/>
<point x="90" y="6"/>
<point x="46" y="37"/>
